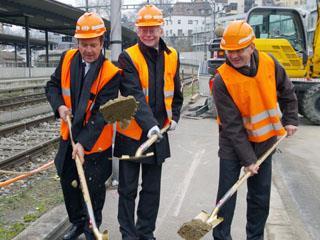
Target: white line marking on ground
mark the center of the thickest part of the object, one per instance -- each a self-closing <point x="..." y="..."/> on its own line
<point x="187" y="179"/>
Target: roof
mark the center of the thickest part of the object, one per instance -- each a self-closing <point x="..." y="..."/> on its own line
<point x="48" y="15"/>
<point x="20" y="41"/>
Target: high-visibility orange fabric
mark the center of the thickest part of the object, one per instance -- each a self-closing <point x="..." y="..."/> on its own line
<point x="170" y="67"/>
<point x="149" y="15"/>
<point x="107" y="72"/>
<point x="256" y="98"/>
<point x="89" y="25"/>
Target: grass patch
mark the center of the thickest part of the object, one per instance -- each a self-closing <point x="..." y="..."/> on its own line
<point x="11" y="231"/>
<point x="18" y="210"/>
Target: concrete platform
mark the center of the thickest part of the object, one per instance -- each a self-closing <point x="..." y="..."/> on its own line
<point x="189" y="185"/>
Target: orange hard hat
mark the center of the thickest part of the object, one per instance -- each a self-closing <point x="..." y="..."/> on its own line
<point x="89" y="25"/>
<point x="149" y="15"/>
<point x="238" y="34"/>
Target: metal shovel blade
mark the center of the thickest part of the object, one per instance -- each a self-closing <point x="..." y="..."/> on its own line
<point x="199" y="226"/>
<point x="133" y="158"/>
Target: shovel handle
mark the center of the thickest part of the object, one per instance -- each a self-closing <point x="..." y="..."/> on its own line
<point x="144" y="146"/>
<point x="84" y="187"/>
<point x="243" y="178"/>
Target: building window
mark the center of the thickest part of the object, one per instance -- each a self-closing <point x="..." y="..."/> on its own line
<point x="170" y="31"/>
<point x="180" y="32"/>
<point x="179" y="21"/>
<point x="167" y="33"/>
<point x="190" y="21"/>
<point x="189" y="32"/>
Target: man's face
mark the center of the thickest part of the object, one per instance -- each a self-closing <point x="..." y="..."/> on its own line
<point x="90" y="49"/>
<point x="241" y="57"/>
<point x="150" y="36"/>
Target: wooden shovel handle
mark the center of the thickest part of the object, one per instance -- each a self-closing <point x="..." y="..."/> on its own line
<point x="84" y="187"/>
<point x="243" y="178"/>
<point x="144" y="146"/>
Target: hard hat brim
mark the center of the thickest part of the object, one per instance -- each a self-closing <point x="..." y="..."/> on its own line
<point x="148" y="24"/>
<point x="236" y="47"/>
<point x="85" y="36"/>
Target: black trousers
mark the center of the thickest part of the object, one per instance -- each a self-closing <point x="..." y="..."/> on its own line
<point x="258" y="199"/>
<point x="97" y="172"/>
<point x="149" y="199"/>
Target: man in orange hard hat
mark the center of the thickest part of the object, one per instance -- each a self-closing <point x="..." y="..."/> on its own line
<point x="247" y="90"/>
<point x="82" y="82"/>
<point x="151" y="75"/>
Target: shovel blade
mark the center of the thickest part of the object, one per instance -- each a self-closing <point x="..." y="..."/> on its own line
<point x="105" y="235"/>
<point x="202" y="216"/>
<point x="199" y="226"/>
<point x="215" y="222"/>
<point x="196" y="228"/>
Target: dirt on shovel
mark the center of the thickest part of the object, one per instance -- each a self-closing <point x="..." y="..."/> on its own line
<point x="194" y="230"/>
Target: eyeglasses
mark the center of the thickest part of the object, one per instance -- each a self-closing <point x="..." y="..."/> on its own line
<point x="150" y="30"/>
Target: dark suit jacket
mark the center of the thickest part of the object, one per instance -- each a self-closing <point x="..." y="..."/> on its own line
<point x="87" y="134"/>
<point x="154" y="112"/>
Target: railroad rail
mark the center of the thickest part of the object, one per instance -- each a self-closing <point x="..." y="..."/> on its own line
<point x="19" y="101"/>
<point x="22" y="146"/>
<point x="10" y="129"/>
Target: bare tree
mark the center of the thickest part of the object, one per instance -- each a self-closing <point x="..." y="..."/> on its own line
<point x="101" y="7"/>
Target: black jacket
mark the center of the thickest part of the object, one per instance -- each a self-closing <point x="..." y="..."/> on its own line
<point x="233" y="139"/>
<point x="154" y="112"/>
<point x="80" y="94"/>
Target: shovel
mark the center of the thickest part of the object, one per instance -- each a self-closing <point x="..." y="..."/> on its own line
<point x="144" y="146"/>
<point x="85" y="192"/>
<point x="120" y="110"/>
<point x="203" y="222"/>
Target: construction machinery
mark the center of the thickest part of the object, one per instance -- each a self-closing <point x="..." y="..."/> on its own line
<point x="282" y="32"/>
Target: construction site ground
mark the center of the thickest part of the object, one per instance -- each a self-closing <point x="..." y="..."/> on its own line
<point x="190" y="181"/>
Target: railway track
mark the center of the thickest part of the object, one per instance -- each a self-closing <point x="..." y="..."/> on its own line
<point x="38" y="137"/>
<point x="20" y="101"/>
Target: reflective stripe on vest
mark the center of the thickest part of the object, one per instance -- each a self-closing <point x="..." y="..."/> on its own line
<point x="256" y="99"/>
<point x="107" y="72"/>
<point x="170" y="68"/>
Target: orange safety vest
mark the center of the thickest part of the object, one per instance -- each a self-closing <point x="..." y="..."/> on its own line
<point x="107" y="72"/>
<point x="256" y="99"/>
<point x="170" y="67"/>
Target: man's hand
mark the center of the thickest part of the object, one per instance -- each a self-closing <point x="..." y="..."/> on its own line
<point x="291" y="129"/>
<point x="155" y="130"/>
<point x="173" y="125"/>
<point x="253" y="169"/>
<point x="64" y="112"/>
<point x="78" y="151"/>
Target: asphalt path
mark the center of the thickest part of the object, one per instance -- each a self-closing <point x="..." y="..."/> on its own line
<point x="297" y="176"/>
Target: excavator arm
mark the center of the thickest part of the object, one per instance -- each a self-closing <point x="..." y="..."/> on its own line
<point x="315" y="72"/>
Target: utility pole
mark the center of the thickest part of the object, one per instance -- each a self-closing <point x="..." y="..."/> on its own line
<point x="213" y="2"/>
<point x="87" y="6"/>
<point x="115" y="33"/>
<point x="116" y="48"/>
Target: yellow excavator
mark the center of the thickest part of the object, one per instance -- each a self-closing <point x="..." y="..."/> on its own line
<point x="284" y="33"/>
